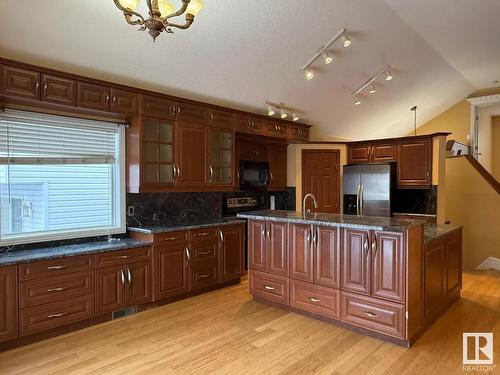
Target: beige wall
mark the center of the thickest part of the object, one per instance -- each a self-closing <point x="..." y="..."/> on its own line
<point x="294" y="167"/>
<point x="473" y="203"/>
<point x="495" y="140"/>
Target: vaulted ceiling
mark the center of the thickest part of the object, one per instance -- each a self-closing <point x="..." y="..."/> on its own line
<point x="241" y="53"/>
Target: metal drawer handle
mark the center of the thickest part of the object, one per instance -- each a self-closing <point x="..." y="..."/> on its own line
<point x="58" y="315"/>
<point x="50" y="268"/>
<point x="170" y="239"/>
<point x="204" y="276"/>
<point x="122" y="277"/>
<point x="122" y="257"/>
<point x="204" y="252"/>
<point x="60" y="289"/>
<point x="269" y="287"/>
<point x="371" y="315"/>
<point x="221" y="235"/>
<point x="313" y="299"/>
<point x="202" y="234"/>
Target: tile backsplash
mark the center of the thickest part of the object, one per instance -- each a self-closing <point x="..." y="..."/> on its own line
<point x="416" y="201"/>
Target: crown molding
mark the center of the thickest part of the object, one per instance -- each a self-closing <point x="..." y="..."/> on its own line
<point x="484" y="101"/>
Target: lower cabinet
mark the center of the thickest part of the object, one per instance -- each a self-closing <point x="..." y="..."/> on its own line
<point x="8" y="303"/>
<point x="315" y="299"/>
<point x="270" y="287"/>
<point x="232" y="257"/>
<point x="171" y="270"/>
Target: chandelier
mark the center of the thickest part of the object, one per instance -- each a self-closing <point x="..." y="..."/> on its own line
<point x="160" y="12"/>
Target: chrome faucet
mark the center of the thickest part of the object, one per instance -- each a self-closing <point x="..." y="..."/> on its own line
<point x="315" y="202"/>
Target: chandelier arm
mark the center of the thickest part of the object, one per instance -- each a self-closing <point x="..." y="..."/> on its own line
<point x="128" y="13"/>
<point x="188" y="23"/>
<point x="183" y="8"/>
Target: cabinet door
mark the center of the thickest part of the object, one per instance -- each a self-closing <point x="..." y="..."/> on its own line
<point x="415" y="163"/>
<point x="298" y="134"/>
<point x="192" y="155"/>
<point x="246" y="151"/>
<point x="383" y="152"/>
<point x="221" y="157"/>
<point x="8" y="303"/>
<point x="434" y="280"/>
<point x="221" y="119"/>
<point x="277" y="167"/>
<point x="277" y="248"/>
<point x="158" y="107"/>
<point x="92" y="96"/>
<point x="123" y="101"/>
<point x="138" y="283"/>
<point x="171" y="274"/>
<point x="358" y="153"/>
<point x="260" y="151"/>
<point x="388" y="276"/>
<point x="19" y="82"/>
<point x="232" y="260"/>
<point x="158" y="150"/>
<point x="453" y="256"/>
<point x="356" y="261"/>
<point x="250" y="125"/>
<point x="275" y="129"/>
<point x="327" y="257"/>
<point x="193" y="114"/>
<point x="58" y="90"/>
<point x="301" y="252"/>
<point x="109" y="285"/>
<point x="257" y="242"/>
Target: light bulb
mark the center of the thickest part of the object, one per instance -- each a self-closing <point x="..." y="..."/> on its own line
<point x="346" y="40"/>
<point x="283" y="113"/>
<point x="166" y="7"/>
<point x="309" y="74"/>
<point x="130" y="4"/>
<point x="270" y="110"/>
<point x="295" y="117"/>
<point x="388" y="77"/>
<point x="327" y="58"/>
<point x="373" y="90"/>
<point x="357" y="101"/>
<point x="194" y="7"/>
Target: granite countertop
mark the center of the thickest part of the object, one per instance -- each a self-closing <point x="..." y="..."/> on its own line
<point x="346" y="221"/>
<point x="434" y="231"/>
<point x="185" y="226"/>
<point x="44" y="253"/>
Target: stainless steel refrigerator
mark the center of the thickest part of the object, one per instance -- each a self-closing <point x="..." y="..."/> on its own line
<point x="368" y="189"/>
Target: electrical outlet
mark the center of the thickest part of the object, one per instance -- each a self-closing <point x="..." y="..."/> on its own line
<point x="130" y="210"/>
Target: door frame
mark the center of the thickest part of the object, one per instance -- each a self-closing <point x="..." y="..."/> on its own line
<point x="316" y="151"/>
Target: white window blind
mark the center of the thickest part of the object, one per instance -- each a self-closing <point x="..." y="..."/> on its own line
<point x="60" y="177"/>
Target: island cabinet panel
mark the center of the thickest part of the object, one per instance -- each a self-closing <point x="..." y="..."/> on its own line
<point x="356" y="264"/>
<point x="277" y="254"/>
<point x="388" y="259"/>
<point x="315" y="299"/>
<point x="8" y="303"/>
<point x="270" y="287"/>
<point x="414" y="167"/>
<point x="301" y="253"/>
<point x="257" y="243"/>
<point x="20" y="82"/>
<point x="172" y="272"/>
<point x="232" y="259"/>
<point x="192" y="141"/>
<point x="58" y="90"/>
<point x="453" y="255"/>
<point x="327" y="257"/>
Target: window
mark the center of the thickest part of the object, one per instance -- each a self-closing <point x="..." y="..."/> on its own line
<point x="60" y="177"/>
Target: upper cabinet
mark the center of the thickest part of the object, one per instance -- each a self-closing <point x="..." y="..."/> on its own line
<point x="191" y="155"/>
<point x="249" y="125"/>
<point x="58" y="90"/>
<point x="20" y="82"/>
<point x="298" y="133"/>
<point x="92" y="96"/>
<point x="193" y="113"/>
<point x="158" y="107"/>
<point x="371" y="152"/>
<point x="122" y="101"/>
<point x="277" y="167"/>
<point x="415" y="163"/>
<point x="221" y="158"/>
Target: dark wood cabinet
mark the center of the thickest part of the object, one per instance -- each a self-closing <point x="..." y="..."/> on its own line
<point x="8" y="303"/>
<point x="221" y="119"/>
<point x="192" y="155"/>
<point x="356" y="264"/>
<point x="414" y="167"/>
<point x="126" y="102"/>
<point x="232" y="260"/>
<point x="109" y="289"/>
<point x="268" y="247"/>
<point x="358" y="153"/>
<point x="277" y="167"/>
<point x="158" y="107"/>
<point x="250" y="125"/>
<point x="221" y="158"/>
<point x="257" y="244"/>
<point x="193" y="114"/>
<point x="92" y="96"/>
<point x="298" y="134"/>
<point x="172" y="272"/>
<point x="327" y="256"/>
<point x="315" y="299"/>
<point x="58" y="90"/>
<point x="138" y="283"/>
<point x="20" y="82"/>
<point x="253" y="151"/>
<point x="301" y="252"/>
<point x="388" y="258"/>
<point x="371" y="152"/>
<point x="275" y="129"/>
<point x="383" y="152"/>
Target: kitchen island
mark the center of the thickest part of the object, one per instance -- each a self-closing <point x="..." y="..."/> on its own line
<point x="371" y="274"/>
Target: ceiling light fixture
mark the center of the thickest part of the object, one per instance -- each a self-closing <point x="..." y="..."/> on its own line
<point x="357" y="101"/>
<point x="160" y="13"/>
<point x="283" y="114"/>
<point x="270" y="110"/>
<point x="370" y="83"/>
<point x="284" y="111"/>
<point x="388" y="77"/>
<point x="322" y="51"/>
<point x="295" y="117"/>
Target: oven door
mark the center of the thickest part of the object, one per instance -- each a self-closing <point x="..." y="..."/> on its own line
<point x="254" y="175"/>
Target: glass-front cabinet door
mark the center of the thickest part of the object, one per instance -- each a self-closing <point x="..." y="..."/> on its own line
<point x="158" y="151"/>
<point x="222" y="157"/>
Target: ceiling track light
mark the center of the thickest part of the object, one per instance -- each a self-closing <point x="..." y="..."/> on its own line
<point x="370" y="83"/>
<point x="283" y="111"/>
<point x="295" y="117"/>
<point x="322" y="51"/>
<point x="270" y="110"/>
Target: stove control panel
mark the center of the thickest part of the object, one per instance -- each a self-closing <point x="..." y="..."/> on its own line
<point x="241" y="202"/>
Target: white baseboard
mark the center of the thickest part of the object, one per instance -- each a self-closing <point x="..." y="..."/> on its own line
<point x="490" y="263"/>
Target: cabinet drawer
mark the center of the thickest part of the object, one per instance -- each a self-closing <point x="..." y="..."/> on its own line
<point x="203" y="233"/>
<point x="202" y="251"/>
<point x="48" y="316"/>
<point x="203" y="275"/>
<point x="162" y="239"/>
<point x="55" y="288"/>
<point x="55" y="267"/>
<point x="315" y="299"/>
<point x="121" y="257"/>
<point x="270" y="287"/>
<point x="376" y="315"/>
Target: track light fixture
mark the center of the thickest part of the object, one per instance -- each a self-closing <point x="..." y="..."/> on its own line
<point x="322" y="51"/>
<point x="295" y="117"/>
<point x="283" y="113"/>
<point x="270" y="110"/>
<point x="370" y="83"/>
<point x="273" y="108"/>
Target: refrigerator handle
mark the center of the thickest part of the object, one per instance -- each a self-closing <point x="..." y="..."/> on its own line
<point x="361" y="193"/>
<point x="357" y="200"/>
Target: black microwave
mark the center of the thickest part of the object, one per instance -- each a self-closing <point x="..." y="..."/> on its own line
<point x="254" y="174"/>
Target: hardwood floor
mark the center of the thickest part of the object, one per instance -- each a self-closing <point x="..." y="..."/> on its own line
<point x="225" y="332"/>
